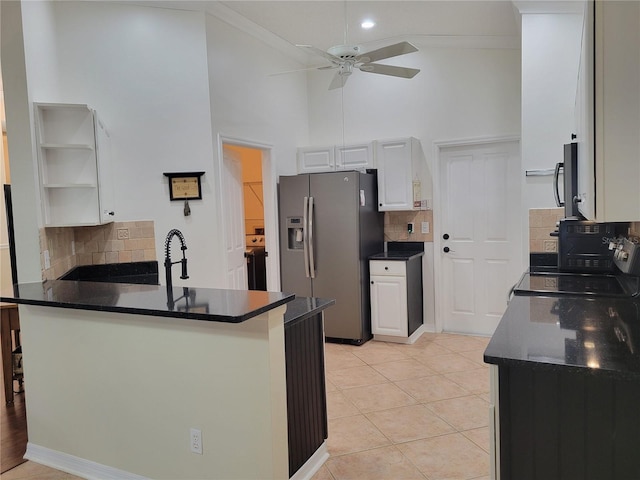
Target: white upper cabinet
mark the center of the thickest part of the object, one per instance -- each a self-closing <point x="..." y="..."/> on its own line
<point x="73" y="165"/>
<point x="330" y="159"/>
<point x="402" y="182"/>
<point x="354" y="157"/>
<point x="608" y="113"/>
<point x="316" y="159"/>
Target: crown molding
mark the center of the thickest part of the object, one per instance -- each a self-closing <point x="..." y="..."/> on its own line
<point x="549" y="6"/>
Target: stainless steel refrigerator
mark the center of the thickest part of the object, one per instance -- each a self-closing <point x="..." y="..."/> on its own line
<point x="329" y="226"/>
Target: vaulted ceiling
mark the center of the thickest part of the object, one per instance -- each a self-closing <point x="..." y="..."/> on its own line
<point x="327" y="22"/>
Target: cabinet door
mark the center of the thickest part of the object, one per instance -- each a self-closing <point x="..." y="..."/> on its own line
<point x="584" y="118"/>
<point x="395" y="179"/>
<point x="105" y="172"/>
<point x="617" y="111"/>
<point x="389" y="305"/>
<point x="316" y="159"/>
<point x="608" y="113"/>
<point x="354" y="157"/>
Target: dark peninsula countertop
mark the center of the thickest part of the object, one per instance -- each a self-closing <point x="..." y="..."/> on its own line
<point x="397" y="255"/>
<point x="301" y="308"/>
<point x="401" y="251"/>
<point x="208" y="304"/>
<point x="600" y="334"/>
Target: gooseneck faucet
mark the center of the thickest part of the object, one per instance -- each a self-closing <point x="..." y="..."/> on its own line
<point x="167" y="257"/>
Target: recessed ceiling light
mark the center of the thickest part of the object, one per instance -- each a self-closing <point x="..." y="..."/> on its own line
<point x="367" y="24"/>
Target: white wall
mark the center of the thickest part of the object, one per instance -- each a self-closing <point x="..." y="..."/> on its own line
<point x="166" y="83"/>
<point x="550" y="59"/>
<point x="459" y="93"/>
<point x="145" y="382"/>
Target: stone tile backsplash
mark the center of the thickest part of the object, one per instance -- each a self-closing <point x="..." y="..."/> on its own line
<point x="395" y="226"/>
<point x="542" y="221"/>
<point x="117" y="242"/>
<point x="635" y="229"/>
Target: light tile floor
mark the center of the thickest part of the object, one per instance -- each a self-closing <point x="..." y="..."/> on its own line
<point x="396" y="412"/>
<point x="404" y="412"/>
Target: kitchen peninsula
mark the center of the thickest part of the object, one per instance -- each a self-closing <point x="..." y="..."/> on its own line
<point x="567" y="390"/>
<point x="119" y="374"/>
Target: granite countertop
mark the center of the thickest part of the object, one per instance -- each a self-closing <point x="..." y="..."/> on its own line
<point x="208" y="304"/>
<point x="595" y="334"/>
<point x="396" y="255"/>
<point x="128" y="272"/>
<point x="301" y="308"/>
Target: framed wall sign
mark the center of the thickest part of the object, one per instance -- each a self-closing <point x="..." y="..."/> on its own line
<point x="185" y="185"/>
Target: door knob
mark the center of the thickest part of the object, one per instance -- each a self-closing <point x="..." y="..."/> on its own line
<point x="445" y="236"/>
<point x="446" y="249"/>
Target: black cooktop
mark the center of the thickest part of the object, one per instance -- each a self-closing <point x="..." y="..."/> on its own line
<point x="537" y="283"/>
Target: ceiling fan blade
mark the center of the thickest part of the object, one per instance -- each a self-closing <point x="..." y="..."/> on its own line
<point x="298" y="70"/>
<point x="403" y="72"/>
<point x="322" y="53"/>
<point x="386" y="52"/>
<point x="338" y="81"/>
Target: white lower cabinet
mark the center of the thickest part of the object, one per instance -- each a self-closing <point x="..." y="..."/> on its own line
<point x="396" y="299"/>
<point x="389" y="301"/>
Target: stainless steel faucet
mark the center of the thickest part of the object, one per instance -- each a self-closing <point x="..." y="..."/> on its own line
<point x="167" y="257"/>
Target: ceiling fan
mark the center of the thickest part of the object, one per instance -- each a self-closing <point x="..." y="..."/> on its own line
<point x="345" y="58"/>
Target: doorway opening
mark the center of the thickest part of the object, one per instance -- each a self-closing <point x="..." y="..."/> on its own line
<point x="249" y="215"/>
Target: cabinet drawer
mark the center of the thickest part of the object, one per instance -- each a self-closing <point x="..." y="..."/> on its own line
<point x="387" y="267"/>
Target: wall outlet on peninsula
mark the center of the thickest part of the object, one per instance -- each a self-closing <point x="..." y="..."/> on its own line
<point x="196" y="441"/>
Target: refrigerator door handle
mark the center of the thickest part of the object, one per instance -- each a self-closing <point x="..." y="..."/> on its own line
<point x="312" y="263"/>
<point x="305" y="236"/>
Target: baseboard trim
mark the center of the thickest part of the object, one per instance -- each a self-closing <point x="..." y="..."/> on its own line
<point x="404" y="340"/>
<point x="76" y="465"/>
<point x="311" y="466"/>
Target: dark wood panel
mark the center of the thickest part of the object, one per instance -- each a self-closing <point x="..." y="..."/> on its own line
<point x="572" y="443"/>
<point x="521" y="445"/>
<point x="599" y="428"/>
<point x="566" y="424"/>
<point x="306" y="389"/>
<point x="627" y="427"/>
<point x="546" y="425"/>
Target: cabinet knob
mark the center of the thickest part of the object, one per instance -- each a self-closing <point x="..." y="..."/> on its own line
<point x="371" y="282"/>
<point x="112" y="213"/>
<point x="386" y="268"/>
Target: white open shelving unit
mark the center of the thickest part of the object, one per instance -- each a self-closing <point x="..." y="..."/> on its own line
<point x="73" y="164"/>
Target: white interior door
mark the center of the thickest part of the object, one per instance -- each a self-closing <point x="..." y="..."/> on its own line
<point x="481" y="235"/>
<point x="234" y="222"/>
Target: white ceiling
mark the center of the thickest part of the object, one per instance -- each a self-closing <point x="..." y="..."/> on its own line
<point x="322" y="23"/>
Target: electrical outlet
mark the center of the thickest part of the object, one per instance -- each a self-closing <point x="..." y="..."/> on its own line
<point x="410" y="227"/>
<point x="47" y="260"/>
<point x="73" y="247"/>
<point x="196" y="441"/>
<point x="123" y="233"/>
<point x="425" y="227"/>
